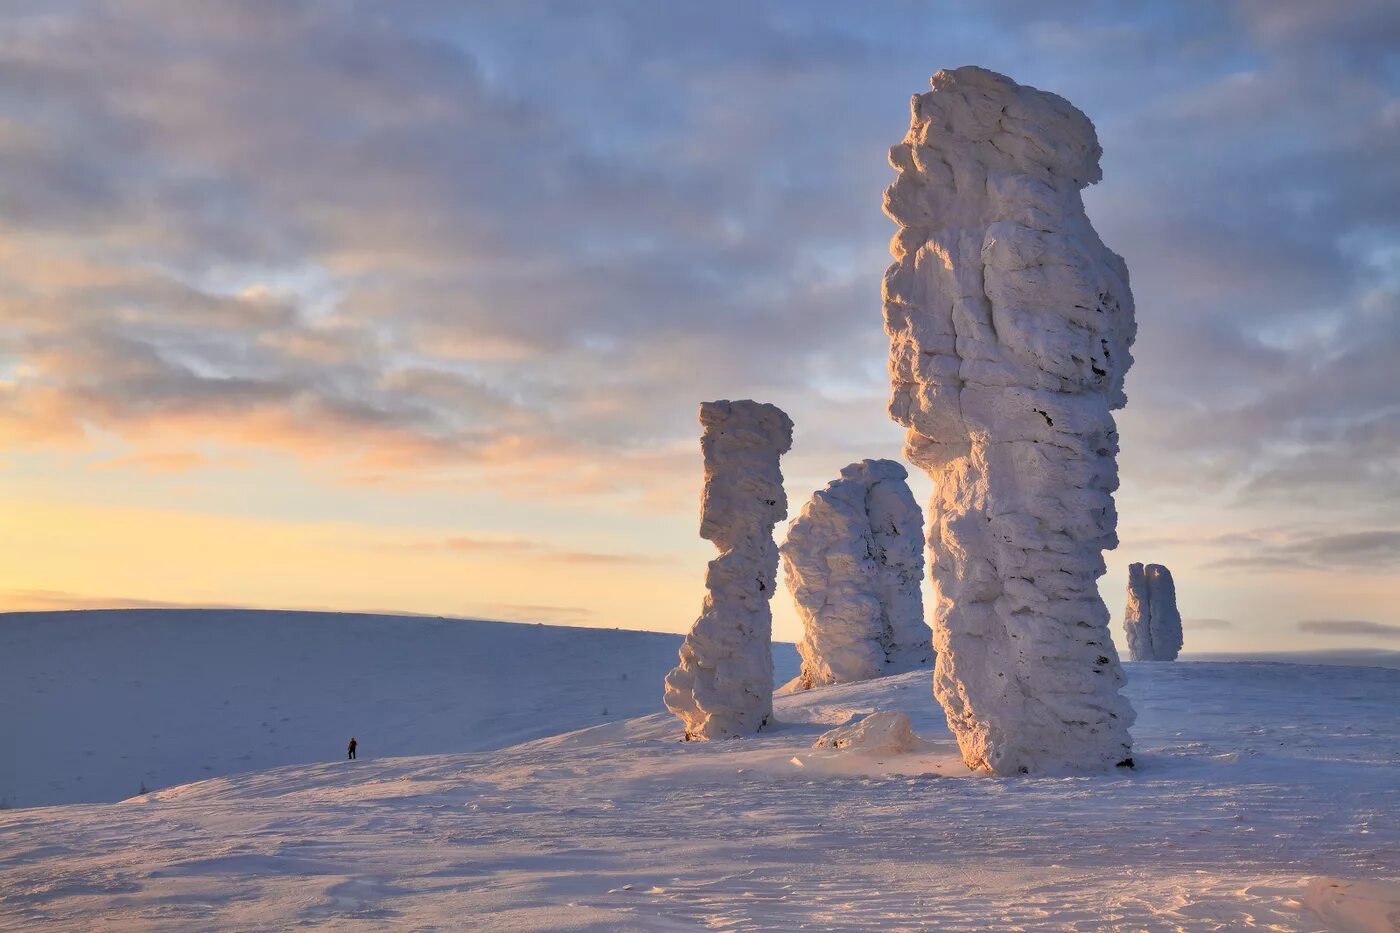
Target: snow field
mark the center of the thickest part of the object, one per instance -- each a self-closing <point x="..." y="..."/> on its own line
<point x="1265" y="799"/>
<point x="94" y="705"/>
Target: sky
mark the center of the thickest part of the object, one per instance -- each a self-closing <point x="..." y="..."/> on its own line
<point x="410" y="306"/>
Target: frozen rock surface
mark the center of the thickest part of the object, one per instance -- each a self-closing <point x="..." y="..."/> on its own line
<point x="1009" y="325"/>
<point x="723" y="685"/>
<point x="887" y="732"/>
<point x="1152" y="622"/>
<point x="854" y="560"/>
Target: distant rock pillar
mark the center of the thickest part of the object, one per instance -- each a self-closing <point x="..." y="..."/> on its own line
<point x="1152" y="622"/>
<point x="723" y="686"/>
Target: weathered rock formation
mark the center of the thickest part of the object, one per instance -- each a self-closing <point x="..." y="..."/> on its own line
<point x="1009" y="325"/>
<point x="854" y="561"/>
<point x="1152" y="622"/>
<point x="723" y="685"/>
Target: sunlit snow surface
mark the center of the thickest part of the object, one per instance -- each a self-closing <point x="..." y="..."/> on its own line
<point x="1265" y="798"/>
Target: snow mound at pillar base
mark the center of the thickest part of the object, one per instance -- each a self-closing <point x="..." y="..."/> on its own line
<point x="887" y="732"/>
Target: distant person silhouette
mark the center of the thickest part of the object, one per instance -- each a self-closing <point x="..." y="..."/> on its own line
<point x="350" y="749"/>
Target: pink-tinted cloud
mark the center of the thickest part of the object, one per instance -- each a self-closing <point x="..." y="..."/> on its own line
<point x="527" y="550"/>
<point x="512" y="247"/>
<point x="1350" y="627"/>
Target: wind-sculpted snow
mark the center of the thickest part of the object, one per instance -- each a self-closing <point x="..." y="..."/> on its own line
<point x="1152" y="622"/>
<point x="886" y="732"/>
<point x="854" y="560"/>
<point x="723" y="685"/>
<point x="1009" y="325"/>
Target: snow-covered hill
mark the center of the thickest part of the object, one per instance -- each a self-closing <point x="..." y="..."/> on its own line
<point x="96" y="705"/>
<point x="1265" y="798"/>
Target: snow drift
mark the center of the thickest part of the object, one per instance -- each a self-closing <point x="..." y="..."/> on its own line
<point x="887" y="732"/>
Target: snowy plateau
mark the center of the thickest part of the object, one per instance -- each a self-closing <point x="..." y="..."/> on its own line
<point x="523" y="777"/>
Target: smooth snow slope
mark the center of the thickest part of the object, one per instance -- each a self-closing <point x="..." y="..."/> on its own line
<point x="95" y="705"/>
<point x="1347" y="657"/>
<point x="1265" y="799"/>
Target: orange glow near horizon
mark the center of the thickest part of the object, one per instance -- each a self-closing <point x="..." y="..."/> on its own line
<point x="80" y="556"/>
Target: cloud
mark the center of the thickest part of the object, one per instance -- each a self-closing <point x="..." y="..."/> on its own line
<point x="1367" y="32"/>
<point x="519" y="244"/>
<point x="1349" y="627"/>
<point x="531" y="550"/>
<point x="156" y="462"/>
<point x="1360" y="550"/>
<point x="388" y="275"/>
<point x="1269" y="548"/>
<point x="526" y="612"/>
<point x="38" y="600"/>
<point x="1208" y="624"/>
<point x="47" y="600"/>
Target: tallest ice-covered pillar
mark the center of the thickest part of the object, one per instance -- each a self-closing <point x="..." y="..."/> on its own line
<point x="1009" y="325"/>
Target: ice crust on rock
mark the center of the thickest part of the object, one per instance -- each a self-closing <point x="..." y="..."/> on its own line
<point x="1152" y="622"/>
<point x="887" y="732"/>
<point x="723" y="686"/>
<point x="1010" y="324"/>
<point x="854" y="561"/>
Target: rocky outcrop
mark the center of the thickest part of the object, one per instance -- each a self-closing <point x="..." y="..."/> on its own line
<point x="1152" y="622"/>
<point x="854" y="561"/>
<point x="723" y="685"/>
<point x="1009" y="325"/>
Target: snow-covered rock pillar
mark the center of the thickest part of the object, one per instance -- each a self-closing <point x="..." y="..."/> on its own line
<point x="854" y="560"/>
<point x="1152" y="622"/>
<point x="1009" y="325"/>
<point x="723" y="685"/>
